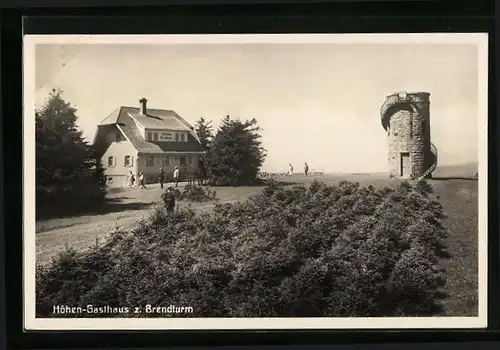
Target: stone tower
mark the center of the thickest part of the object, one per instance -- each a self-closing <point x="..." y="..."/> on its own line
<point x="405" y="118"/>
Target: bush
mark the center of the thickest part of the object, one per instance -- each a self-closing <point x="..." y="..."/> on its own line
<point x="195" y="193"/>
<point x="322" y="251"/>
<point x="76" y="196"/>
<point x="192" y="193"/>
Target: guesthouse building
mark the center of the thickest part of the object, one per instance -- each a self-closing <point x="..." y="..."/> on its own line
<point x="139" y="139"/>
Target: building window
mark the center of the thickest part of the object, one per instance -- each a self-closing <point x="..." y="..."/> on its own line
<point x="128" y="161"/>
<point x="150" y="136"/>
<point x="177" y="137"/>
<point x="182" y="137"/>
<point x="155" y="136"/>
<point x="165" y="161"/>
<point x="190" y="160"/>
<point x="182" y="160"/>
<point x="150" y="161"/>
<point x="111" y="161"/>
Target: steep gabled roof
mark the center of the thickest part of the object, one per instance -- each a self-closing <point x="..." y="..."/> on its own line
<point x="156" y="118"/>
<point x="126" y="117"/>
<point x="112" y="118"/>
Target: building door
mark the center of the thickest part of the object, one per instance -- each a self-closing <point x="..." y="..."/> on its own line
<point x="405" y="164"/>
<point x="182" y="160"/>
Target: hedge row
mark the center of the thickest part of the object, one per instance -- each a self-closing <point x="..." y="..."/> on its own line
<point x="334" y="251"/>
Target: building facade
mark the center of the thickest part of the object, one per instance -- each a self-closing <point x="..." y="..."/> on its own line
<point x="406" y="119"/>
<point x="138" y="139"/>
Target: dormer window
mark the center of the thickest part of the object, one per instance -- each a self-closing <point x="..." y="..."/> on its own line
<point x="153" y="136"/>
<point x="162" y="136"/>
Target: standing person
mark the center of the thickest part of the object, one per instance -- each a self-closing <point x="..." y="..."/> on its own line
<point x="141" y="180"/>
<point x="161" y="177"/>
<point x="129" y="179"/>
<point x="176" y="176"/>
<point x="170" y="200"/>
<point x="202" y="172"/>
<point x="290" y="172"/>
<point x="306" y="168"/>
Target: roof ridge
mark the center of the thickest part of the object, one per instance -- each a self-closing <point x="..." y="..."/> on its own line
<point x="161" y="109"/>
<point x="151" y="109"/>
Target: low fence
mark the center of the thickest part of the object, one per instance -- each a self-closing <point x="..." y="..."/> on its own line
<point x="267" y="175"/>
<point x="187" y="174"/>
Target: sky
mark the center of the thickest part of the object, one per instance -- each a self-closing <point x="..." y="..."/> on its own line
<point x="317" y="103"/>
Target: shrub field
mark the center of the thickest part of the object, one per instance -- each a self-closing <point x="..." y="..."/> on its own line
<point x="339" y="250"/>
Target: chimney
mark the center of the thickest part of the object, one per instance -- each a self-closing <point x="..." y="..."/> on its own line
<point x="144" y="109"/>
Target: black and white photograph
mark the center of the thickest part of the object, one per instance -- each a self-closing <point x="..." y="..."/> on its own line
<point x="271" y="181"/>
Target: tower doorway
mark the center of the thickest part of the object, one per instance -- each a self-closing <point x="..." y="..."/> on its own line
<point x="405" y="170"/>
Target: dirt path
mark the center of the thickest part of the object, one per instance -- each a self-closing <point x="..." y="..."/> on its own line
<point x="53" y="236"/>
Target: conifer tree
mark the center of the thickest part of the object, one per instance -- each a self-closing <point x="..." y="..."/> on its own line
<point x="236" y="153"/>
<point x="67" y="173"/>
<point x="204" y="130"/>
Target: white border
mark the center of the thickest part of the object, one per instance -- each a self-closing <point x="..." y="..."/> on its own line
<point x="29" y="237"/>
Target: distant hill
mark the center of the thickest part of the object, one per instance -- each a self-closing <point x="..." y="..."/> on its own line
<point x="465" y="170"/>
<point x="457" y="170"/>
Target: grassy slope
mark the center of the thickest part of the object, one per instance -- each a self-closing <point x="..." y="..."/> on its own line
<point x="458" y="195"/>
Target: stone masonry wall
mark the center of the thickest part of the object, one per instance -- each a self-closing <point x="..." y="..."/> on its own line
<point x="421" y="102"/>
<point x="409" y="132"/>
